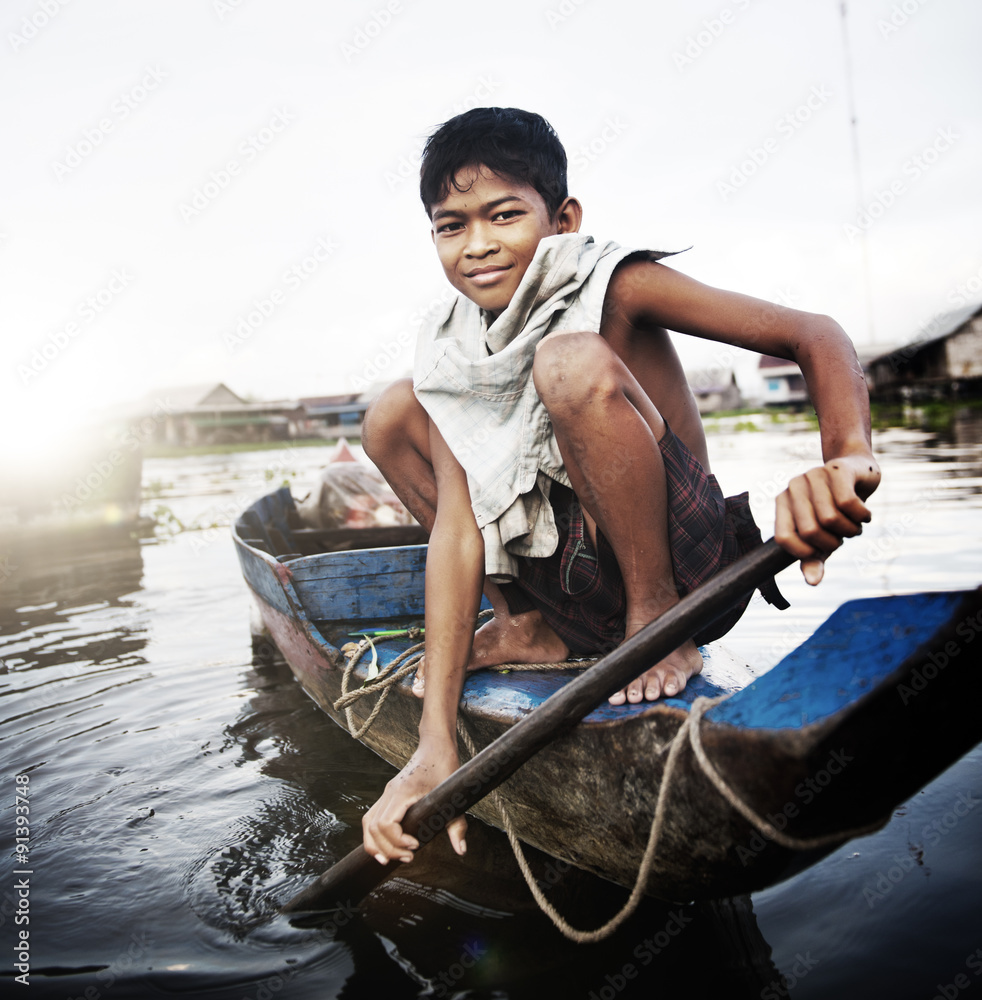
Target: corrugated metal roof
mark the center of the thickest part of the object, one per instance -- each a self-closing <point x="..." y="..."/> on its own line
<point x="943" y="325"/>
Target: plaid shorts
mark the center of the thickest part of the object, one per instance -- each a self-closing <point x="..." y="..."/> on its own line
<point x="579" y="589"/>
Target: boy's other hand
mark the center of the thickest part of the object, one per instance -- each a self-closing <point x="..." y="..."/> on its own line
<point x="384" y="837"/>
<point x="823" y="506"/>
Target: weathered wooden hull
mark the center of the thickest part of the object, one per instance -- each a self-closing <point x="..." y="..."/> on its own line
<point x="830" y="741"/>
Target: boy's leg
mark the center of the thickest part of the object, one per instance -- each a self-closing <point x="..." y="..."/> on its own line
<point x="396" y="438"/>
<point x="608" y="431"/>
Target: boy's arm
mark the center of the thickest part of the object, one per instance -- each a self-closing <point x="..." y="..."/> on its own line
<point x="824" y="505"/>
<point x="454" y="578"/>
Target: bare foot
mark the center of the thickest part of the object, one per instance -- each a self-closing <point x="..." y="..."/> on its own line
<point x="506" y="638"/>
<point x="667" y="677"/>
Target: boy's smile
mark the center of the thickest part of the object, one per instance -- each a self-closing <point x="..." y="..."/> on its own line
<point x="487" y="234"/>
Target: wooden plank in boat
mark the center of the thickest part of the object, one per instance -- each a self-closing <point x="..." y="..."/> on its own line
<point x="362" y="583"/>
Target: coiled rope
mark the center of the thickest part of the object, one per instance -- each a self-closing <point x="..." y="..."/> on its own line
<point x="403" y="665"/>
<point x="688" y="733"/>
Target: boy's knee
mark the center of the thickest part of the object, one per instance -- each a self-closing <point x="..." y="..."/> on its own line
<point x="388" y="415"/>
<point x="571" y="367"/>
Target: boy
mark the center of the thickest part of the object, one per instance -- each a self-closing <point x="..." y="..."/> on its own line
<point x="565" y="472"/>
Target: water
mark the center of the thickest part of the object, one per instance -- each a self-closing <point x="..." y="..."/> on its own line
<point x="179" y="786"/>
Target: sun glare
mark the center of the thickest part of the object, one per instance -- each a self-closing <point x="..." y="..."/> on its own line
<point x="38" y="430"/>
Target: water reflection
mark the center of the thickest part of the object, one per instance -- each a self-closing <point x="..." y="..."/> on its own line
<point x="183" y="787"/>
<point x="492" y="936"/>
<point x="956" y="443"/>
<point x="67" y="614"/>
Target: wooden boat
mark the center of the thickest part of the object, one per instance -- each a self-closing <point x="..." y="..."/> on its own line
<point x="874" y="705"/>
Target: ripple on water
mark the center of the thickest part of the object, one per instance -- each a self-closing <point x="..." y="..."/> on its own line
<point x="180" y="790"/>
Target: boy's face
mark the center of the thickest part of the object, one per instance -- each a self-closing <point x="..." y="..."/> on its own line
<point x="487" y="234"/>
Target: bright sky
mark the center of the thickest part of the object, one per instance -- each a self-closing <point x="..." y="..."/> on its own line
<point x="174" y="169"/>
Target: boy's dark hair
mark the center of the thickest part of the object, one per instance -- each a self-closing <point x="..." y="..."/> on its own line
<point x="517" y="144"/>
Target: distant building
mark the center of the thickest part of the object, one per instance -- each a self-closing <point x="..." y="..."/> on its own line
<point x="715" y="389"/>
<point x="783" y="383"/>
<point x="328" y="416"/>
<point x="868" y="353"/>
<point x="211" y="413"/>
<point x="947" y="362"/>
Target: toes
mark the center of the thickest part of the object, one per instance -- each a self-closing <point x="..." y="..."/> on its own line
<point x="651" y="687"/>
<point x="675" y="682"/>
<point x="418" y="686"/>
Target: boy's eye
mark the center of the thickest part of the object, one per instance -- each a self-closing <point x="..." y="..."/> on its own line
<point x="449" y="227"/>
<point x="507" y="214"/>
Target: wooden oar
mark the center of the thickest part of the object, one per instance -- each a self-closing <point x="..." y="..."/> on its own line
<point x="358" y="873"/>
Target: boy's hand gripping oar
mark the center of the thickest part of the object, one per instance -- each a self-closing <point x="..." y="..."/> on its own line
<point x="358" y="873"/>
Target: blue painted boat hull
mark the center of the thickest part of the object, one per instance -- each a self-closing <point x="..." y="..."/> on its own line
<point x="839" y="733"/>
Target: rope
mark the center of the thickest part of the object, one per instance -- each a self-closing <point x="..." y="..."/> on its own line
<point x="756" y="820"/>
<point x="389" y="674"/>
<point x="406" y="662"/>
<point x="392" y="673"/>
<point x="647" y="859"/>
<point x="689" y="730"/>
<point x="579" y="664"/>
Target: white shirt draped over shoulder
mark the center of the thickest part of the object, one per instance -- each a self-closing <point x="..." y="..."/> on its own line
<point x="475" y="382"/>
